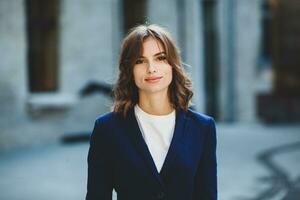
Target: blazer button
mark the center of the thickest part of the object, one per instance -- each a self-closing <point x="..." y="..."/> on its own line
<point x="160" y="195"/>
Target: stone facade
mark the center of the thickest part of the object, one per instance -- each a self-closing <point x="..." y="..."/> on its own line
<point x="90" y="35"/>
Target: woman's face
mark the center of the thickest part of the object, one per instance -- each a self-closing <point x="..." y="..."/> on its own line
<point x="152" y="72"/>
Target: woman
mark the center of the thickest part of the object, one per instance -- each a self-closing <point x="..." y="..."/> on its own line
<point x="152" y="146"/>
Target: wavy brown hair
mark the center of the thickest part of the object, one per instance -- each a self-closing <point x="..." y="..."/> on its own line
<point x="125" y="90"/>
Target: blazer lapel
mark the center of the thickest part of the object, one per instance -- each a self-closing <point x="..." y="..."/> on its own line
<point x="141" y="145"/>
<point x="175" y="145"/>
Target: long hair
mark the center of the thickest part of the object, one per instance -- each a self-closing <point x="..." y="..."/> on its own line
<point x="125" y="90"/>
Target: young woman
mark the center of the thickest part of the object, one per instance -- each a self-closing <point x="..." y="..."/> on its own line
<point x="152" y="146"/>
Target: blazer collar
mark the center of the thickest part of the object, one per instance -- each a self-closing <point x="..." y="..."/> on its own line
<point x="176" y="144"/>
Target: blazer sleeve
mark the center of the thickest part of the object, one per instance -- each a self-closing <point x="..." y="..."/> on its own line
<point x="100" y="179"/>
<point x="206" y="175"/>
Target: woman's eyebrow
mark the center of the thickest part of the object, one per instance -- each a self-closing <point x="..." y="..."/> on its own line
<point x="157" y="54"/>
<point x="160" y="53"/>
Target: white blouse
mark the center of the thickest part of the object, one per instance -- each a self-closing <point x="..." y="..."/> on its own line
<point x="157" y="131"/>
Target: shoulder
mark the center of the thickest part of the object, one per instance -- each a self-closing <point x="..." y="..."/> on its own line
<point x="106" y="119"/>
<point x="203" y="122"/>
<point x="200" y="118"/>
<point x="103" y="125"/>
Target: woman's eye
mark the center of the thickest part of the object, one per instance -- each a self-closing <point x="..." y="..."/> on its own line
<point x="162" y="58"/>
<point x="139" y="61"/>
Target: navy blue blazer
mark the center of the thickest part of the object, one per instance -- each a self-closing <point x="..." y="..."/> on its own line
<point x="119" y="158"/>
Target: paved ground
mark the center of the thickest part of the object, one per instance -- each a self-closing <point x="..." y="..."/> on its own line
<point x="255" y="162"/>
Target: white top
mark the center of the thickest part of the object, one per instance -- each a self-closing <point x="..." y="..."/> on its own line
<point x="157" y="131"/>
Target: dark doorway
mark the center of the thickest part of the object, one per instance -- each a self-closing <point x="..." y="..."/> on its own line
<point x="283" y="34"/>
<point x="286" y="46"/>
<point x="42" y="39"/>
<point x="210" y="57"/>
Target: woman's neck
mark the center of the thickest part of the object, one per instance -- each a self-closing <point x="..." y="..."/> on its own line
<point x="155" y="104"/>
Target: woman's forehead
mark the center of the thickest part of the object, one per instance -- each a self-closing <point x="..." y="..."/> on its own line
<point x="151" y="46"/>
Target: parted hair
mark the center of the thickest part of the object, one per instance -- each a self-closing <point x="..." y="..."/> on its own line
<point x="125" y="90"/>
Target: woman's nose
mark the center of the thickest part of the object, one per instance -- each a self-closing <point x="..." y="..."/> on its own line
<point x="151" y="67"/>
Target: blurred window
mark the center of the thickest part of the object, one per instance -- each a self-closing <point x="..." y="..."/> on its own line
<point x="42" y="40"/>
<point x="267" y="17"/>
<point x="210" y="56"/>
<point x="134" y="12"/>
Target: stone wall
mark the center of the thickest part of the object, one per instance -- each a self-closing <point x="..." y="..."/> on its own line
<point x="89" y="38"/>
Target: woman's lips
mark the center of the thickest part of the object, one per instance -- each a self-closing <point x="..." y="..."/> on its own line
<point x="153" y="79"/>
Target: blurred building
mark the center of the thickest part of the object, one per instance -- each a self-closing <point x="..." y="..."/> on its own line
<point x="242" y="57"/>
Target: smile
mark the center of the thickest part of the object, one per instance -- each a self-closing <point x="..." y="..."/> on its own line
<point x="153" y="79"/>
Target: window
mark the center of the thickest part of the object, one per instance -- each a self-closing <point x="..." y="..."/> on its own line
<point x="42" y="40"/>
